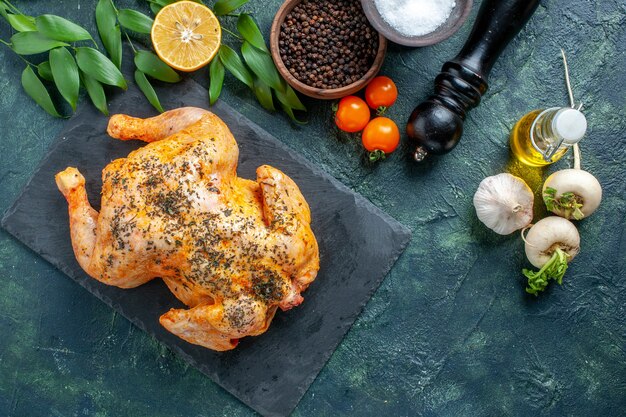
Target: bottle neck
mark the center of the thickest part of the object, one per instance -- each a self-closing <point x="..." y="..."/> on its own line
<point x="543" y="135"/>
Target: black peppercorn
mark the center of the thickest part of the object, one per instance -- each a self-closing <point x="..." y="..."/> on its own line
<point x="327" y="44"/>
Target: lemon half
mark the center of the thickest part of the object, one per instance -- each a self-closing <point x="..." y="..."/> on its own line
<point x="186" y="35"/>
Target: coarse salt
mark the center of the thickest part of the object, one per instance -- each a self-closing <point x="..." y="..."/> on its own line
<point x="415" y="17"/>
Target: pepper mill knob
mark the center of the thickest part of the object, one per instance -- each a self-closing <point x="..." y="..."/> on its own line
<point x="435" y="128"/>
<point x="436" y="125"/>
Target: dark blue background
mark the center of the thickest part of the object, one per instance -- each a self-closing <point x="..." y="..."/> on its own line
<point x="450" y="332"/>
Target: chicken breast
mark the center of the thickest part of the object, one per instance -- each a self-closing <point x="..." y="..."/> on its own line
<point x="231" y="249"/>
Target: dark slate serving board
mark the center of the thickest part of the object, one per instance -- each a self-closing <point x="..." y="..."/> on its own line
<point x="358" y="245"/>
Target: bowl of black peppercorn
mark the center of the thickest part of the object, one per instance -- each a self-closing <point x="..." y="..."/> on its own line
<point x="326" y="49"/>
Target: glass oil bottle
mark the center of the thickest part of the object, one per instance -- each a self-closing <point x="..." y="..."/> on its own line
<point x="542" y="137"/>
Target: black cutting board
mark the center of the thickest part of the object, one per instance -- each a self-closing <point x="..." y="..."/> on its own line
<point x="358" y="245"/>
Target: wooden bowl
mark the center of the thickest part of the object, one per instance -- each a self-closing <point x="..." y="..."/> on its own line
<point x="320" y="93"/>
<point x="448" y="28"/>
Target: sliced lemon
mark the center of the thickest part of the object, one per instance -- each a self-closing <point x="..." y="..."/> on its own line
<point x="186" y="35"/>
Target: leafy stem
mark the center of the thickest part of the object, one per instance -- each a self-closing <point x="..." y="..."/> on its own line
<point x="113" y="25"/>
<point x="69" y="67"/>
<point x="377" y="155"/>
<point x="568" y="203"/>
<point x="8" y="45"/>
<point x="27" y="61"/>
<point x="230" y="32"/>
<point x="13" y="8"/>
<point x="130" y="42"/>
<point x="114" y="8"/>
<point x="554" y="269"/>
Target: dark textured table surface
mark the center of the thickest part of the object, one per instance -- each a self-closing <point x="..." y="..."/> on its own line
<point x="449" y="332"/>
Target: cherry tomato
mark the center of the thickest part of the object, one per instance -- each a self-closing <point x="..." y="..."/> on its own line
<point x="380" y="137"/>
<point x="381" y="93"/>
<point x="352" y="114"/>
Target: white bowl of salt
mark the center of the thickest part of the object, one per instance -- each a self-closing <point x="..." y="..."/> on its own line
<point x="417" y="22"/>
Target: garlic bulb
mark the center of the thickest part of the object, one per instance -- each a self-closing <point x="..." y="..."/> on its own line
<point x="504" y="203"/>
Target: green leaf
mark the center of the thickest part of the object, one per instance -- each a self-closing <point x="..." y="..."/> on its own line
<point x="3" y="9"/>
<point x="155" y="8"/>
<point x="554" y="269"/>
<point x="65" y="74"/>
<point x="263" y="93"/>
<point x="135" y="21"/>
<point x="60" y="29"/>
<point x="162" y="3"/>
<point x="22" y="23"/>
<point x="567" y="205"/>
<point x="549" y="197"/>
<point x="147" y="90"/>
<point x="30" y="43"/>
<point x="251" y="32"/>
<point x="96" y="93"/>
<point x="113" y="46"/>
<point x="109" y="30"/>
<point x="235" y="65"/>
<point x="150" y="64"/>
<point x="262" y="65"/>
<point x="36" y="90"/>
<point x="157" y="5"/>
<point x="289" y="97"/>
<point x="216" y="74"/>
<point x="99" y="67"/>
<point x="290" y="113"/>
<point x="223" y="7"/>
<point x="45" y="71"/>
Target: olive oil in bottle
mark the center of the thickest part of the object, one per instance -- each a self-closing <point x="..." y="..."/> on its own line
<point x="542" y="137"/>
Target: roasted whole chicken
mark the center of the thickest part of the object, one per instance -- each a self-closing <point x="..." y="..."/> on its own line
<point x="233" y="250"/>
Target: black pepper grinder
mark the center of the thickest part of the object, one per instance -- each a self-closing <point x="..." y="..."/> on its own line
<point x="436" y="125"/>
